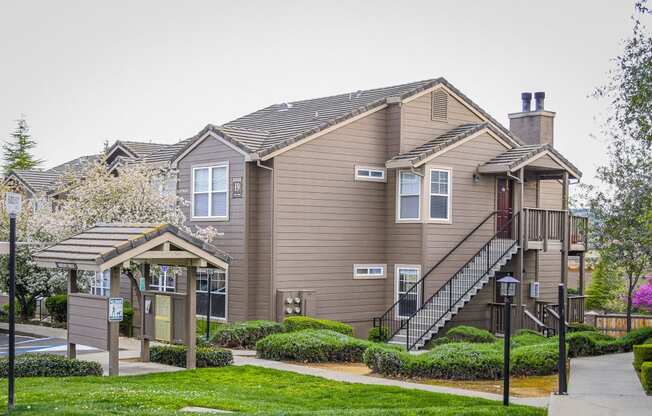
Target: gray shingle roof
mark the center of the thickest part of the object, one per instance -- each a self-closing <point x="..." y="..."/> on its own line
<point x="37" y="180"/>
<point x="103" y="242"/>
<point x="274" y="127"/>
<point x="511" y="158"/>
<point x="438" y="143"/>
<point x="166" y="153"/>
<point x="142" y="149"/>
<point x="75" y="165"/>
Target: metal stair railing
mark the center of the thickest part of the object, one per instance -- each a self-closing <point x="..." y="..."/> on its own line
<point x="393" y="320"/>
<point x="442" y="302"/>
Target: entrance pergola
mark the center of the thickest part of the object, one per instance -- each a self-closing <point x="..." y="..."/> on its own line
<point x="116" y="246"/>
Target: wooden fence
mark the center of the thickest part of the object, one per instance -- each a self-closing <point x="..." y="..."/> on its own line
<point x="616" y="324"/>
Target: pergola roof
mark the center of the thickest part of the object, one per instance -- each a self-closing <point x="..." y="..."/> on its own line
<point x="539" y="156"/>
<point x="106" y="245"/>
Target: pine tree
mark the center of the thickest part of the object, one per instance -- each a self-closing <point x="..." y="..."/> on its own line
<point x="17" y="152"/>
<point x="606" y="285"/>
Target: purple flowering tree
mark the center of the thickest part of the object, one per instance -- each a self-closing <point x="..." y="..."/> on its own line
<point x="643" y="296"/>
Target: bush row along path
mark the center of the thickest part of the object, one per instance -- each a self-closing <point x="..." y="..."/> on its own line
<point x="605" y="385"/>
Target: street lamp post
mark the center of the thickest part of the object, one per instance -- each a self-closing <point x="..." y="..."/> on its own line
<point x="507" y="290"/>
<point x="13" y="203"/>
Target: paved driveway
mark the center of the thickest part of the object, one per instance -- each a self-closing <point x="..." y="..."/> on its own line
<point x="26" y="344"/>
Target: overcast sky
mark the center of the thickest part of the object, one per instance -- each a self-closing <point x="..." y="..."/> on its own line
<point x="87" y="71"/>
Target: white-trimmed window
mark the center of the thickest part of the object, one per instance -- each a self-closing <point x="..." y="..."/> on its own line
<point x="164" y="278"/>
<point x="409" y="196"/>
<point x="406" y="291"/>
<point x="101" y="283"/>
<point x="368" y="271"/>
<point x="366" y="173"/>
<point x="218" y="297"/>
<point x="210" y="192"/>
<point x="440" y="194"/>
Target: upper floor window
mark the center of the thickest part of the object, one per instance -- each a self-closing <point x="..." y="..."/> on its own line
<point x="163" y="278"/>
<point x="100" y="283"/>
<point x="440" y="200"/>
<point x="409" y="192"/>
<point x="364" y="173"/>
<point x="210" y="192"/>
<point x="368" y="271"/>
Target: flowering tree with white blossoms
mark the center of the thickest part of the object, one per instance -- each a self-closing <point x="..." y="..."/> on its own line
<point x="136" y="194"/>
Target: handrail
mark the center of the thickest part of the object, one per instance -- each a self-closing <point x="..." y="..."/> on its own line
<point x="541" y="327"/>
<point x="421" y="282"/>
<point x="449" y="283"/>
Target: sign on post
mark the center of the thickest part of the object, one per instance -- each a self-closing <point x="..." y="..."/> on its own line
<point x="115" y="309"/>
<point x="13" y="203"/>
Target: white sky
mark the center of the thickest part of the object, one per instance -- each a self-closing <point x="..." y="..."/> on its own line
<point x="87" y="71"/>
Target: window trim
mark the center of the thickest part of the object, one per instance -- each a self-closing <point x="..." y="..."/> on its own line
<point x="398" y="196"/>
<point x="397" y="268"/>
<point x="357" y="276"/>
<point x="449" y="218"/>
<point x="226" y="296"/>
<point x="105" y="291"/>
<point x="162" y="277"/>
<point x="369" y="178"/>
<point x="210" y="190"/>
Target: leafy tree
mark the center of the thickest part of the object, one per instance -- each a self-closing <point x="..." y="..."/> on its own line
<point x="606" y="285"/>
<point x="17" y="152"/>
<point x="622" y="210"/>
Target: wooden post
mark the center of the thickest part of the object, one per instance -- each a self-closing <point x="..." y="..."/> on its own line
<point x="191" y="320"/>
<point x="565" y="231"/>
<point x="581" y="277"/>
<point x="520" y="294"/>
<point x="144" y="339"/>
<point x="72" y="288"/>
<point x="114" y="327"/>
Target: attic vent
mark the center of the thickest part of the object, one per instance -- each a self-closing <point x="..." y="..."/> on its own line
<point x="439" y="105"/>
<point x="285" y="107"/>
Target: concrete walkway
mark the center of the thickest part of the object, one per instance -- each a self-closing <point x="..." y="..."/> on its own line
<point x="248" y="358"/>
<point x="603" y="386"/>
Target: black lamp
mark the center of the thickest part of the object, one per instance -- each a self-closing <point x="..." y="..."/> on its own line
<point x="508" y="291"/>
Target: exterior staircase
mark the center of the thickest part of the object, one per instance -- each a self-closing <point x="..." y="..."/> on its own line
<point x="412" y="323"/>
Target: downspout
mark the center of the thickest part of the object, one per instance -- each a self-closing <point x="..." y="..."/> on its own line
<point x="272" y="303"/>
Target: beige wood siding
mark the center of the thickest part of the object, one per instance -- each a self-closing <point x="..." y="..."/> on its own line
<point x="208" y="153"/>
<point x="550" y="194"/>
<point x="471" y="203"/>
<point x="88" y="320"/>
<point x="530" y="196"/>
<point x="325" y="221"/>
<point x="550" y="272"/>
<point x="418" y="126"/>
<point x="260" y="243"/>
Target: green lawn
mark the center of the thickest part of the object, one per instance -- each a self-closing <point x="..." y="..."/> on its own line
<point x="245" y="389"/>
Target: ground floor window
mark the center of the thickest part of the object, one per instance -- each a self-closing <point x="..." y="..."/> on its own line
<point x="406" y="295"/>
<point x="217" y="280"/>
<point x="100" y="283"/>
<point x="163" y="278"/>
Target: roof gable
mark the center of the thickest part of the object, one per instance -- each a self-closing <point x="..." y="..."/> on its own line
<point x="537" y="155"/>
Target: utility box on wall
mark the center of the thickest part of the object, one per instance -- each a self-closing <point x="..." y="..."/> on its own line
<point x="295" y="302"/>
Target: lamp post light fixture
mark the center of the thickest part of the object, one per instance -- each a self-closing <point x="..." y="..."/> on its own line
<point x="508" y="291"/>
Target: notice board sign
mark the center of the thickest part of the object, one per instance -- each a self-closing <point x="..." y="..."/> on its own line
<point x="115" y="309"/>
<point x="236" y="187"/>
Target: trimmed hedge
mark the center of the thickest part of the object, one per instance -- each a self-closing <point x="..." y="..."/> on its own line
<point x="527" y="337"/>
<point x="535" y="360"/>
<point x="245" y="334"/>
<point x="57" y="305"/>
<point x="465" y="333"/>
<point x="642" y="353"/>
<point x="378" y="334"/>
<point x="49" y="365"/>
<point x="580" y="327"/>
<point x="646" y="376"/>
<point x="207" y="356"/>
<point x="127" y="323"/>
<point x="635" y="338"/>
<point x="589" y="343"/>
<point x="312" y="346"/>
<point x="458" y="360"/>
<point x="299" y="323"/>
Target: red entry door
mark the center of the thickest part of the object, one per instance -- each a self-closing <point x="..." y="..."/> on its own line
<point x="504" y="206"/>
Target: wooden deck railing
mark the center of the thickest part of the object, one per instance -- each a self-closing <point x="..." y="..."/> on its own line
<point x="544" y="225"/>
<point x="498" y="317"/>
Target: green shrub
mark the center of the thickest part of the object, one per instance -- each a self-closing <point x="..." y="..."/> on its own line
<point x="312" y="346"/>
<point x="49" y="365"/>
<point x="472" y="334"/>
<point x="378" y="334"/>
<point x="385" y="361"/>
<point x="580" y="327"/>
<point x="245" y="334"/>
<point x="127" y="323"/>
<point x="635" y="338"/>
<point x="646" y="376"/>
<point x="642" y="353"/>
<point x="207" y="356"/>
<point x="526" y="337"/>
<point x="535" y="360"/>
<point x="586" y="344"/>
<point x="299" y="323"/>
<point x="57" y="305"/>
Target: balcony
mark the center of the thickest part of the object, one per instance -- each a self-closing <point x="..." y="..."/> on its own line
<point x="544" y="227"/>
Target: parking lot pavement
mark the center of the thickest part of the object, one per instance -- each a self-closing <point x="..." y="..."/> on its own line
<point x="25" y="344"/>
